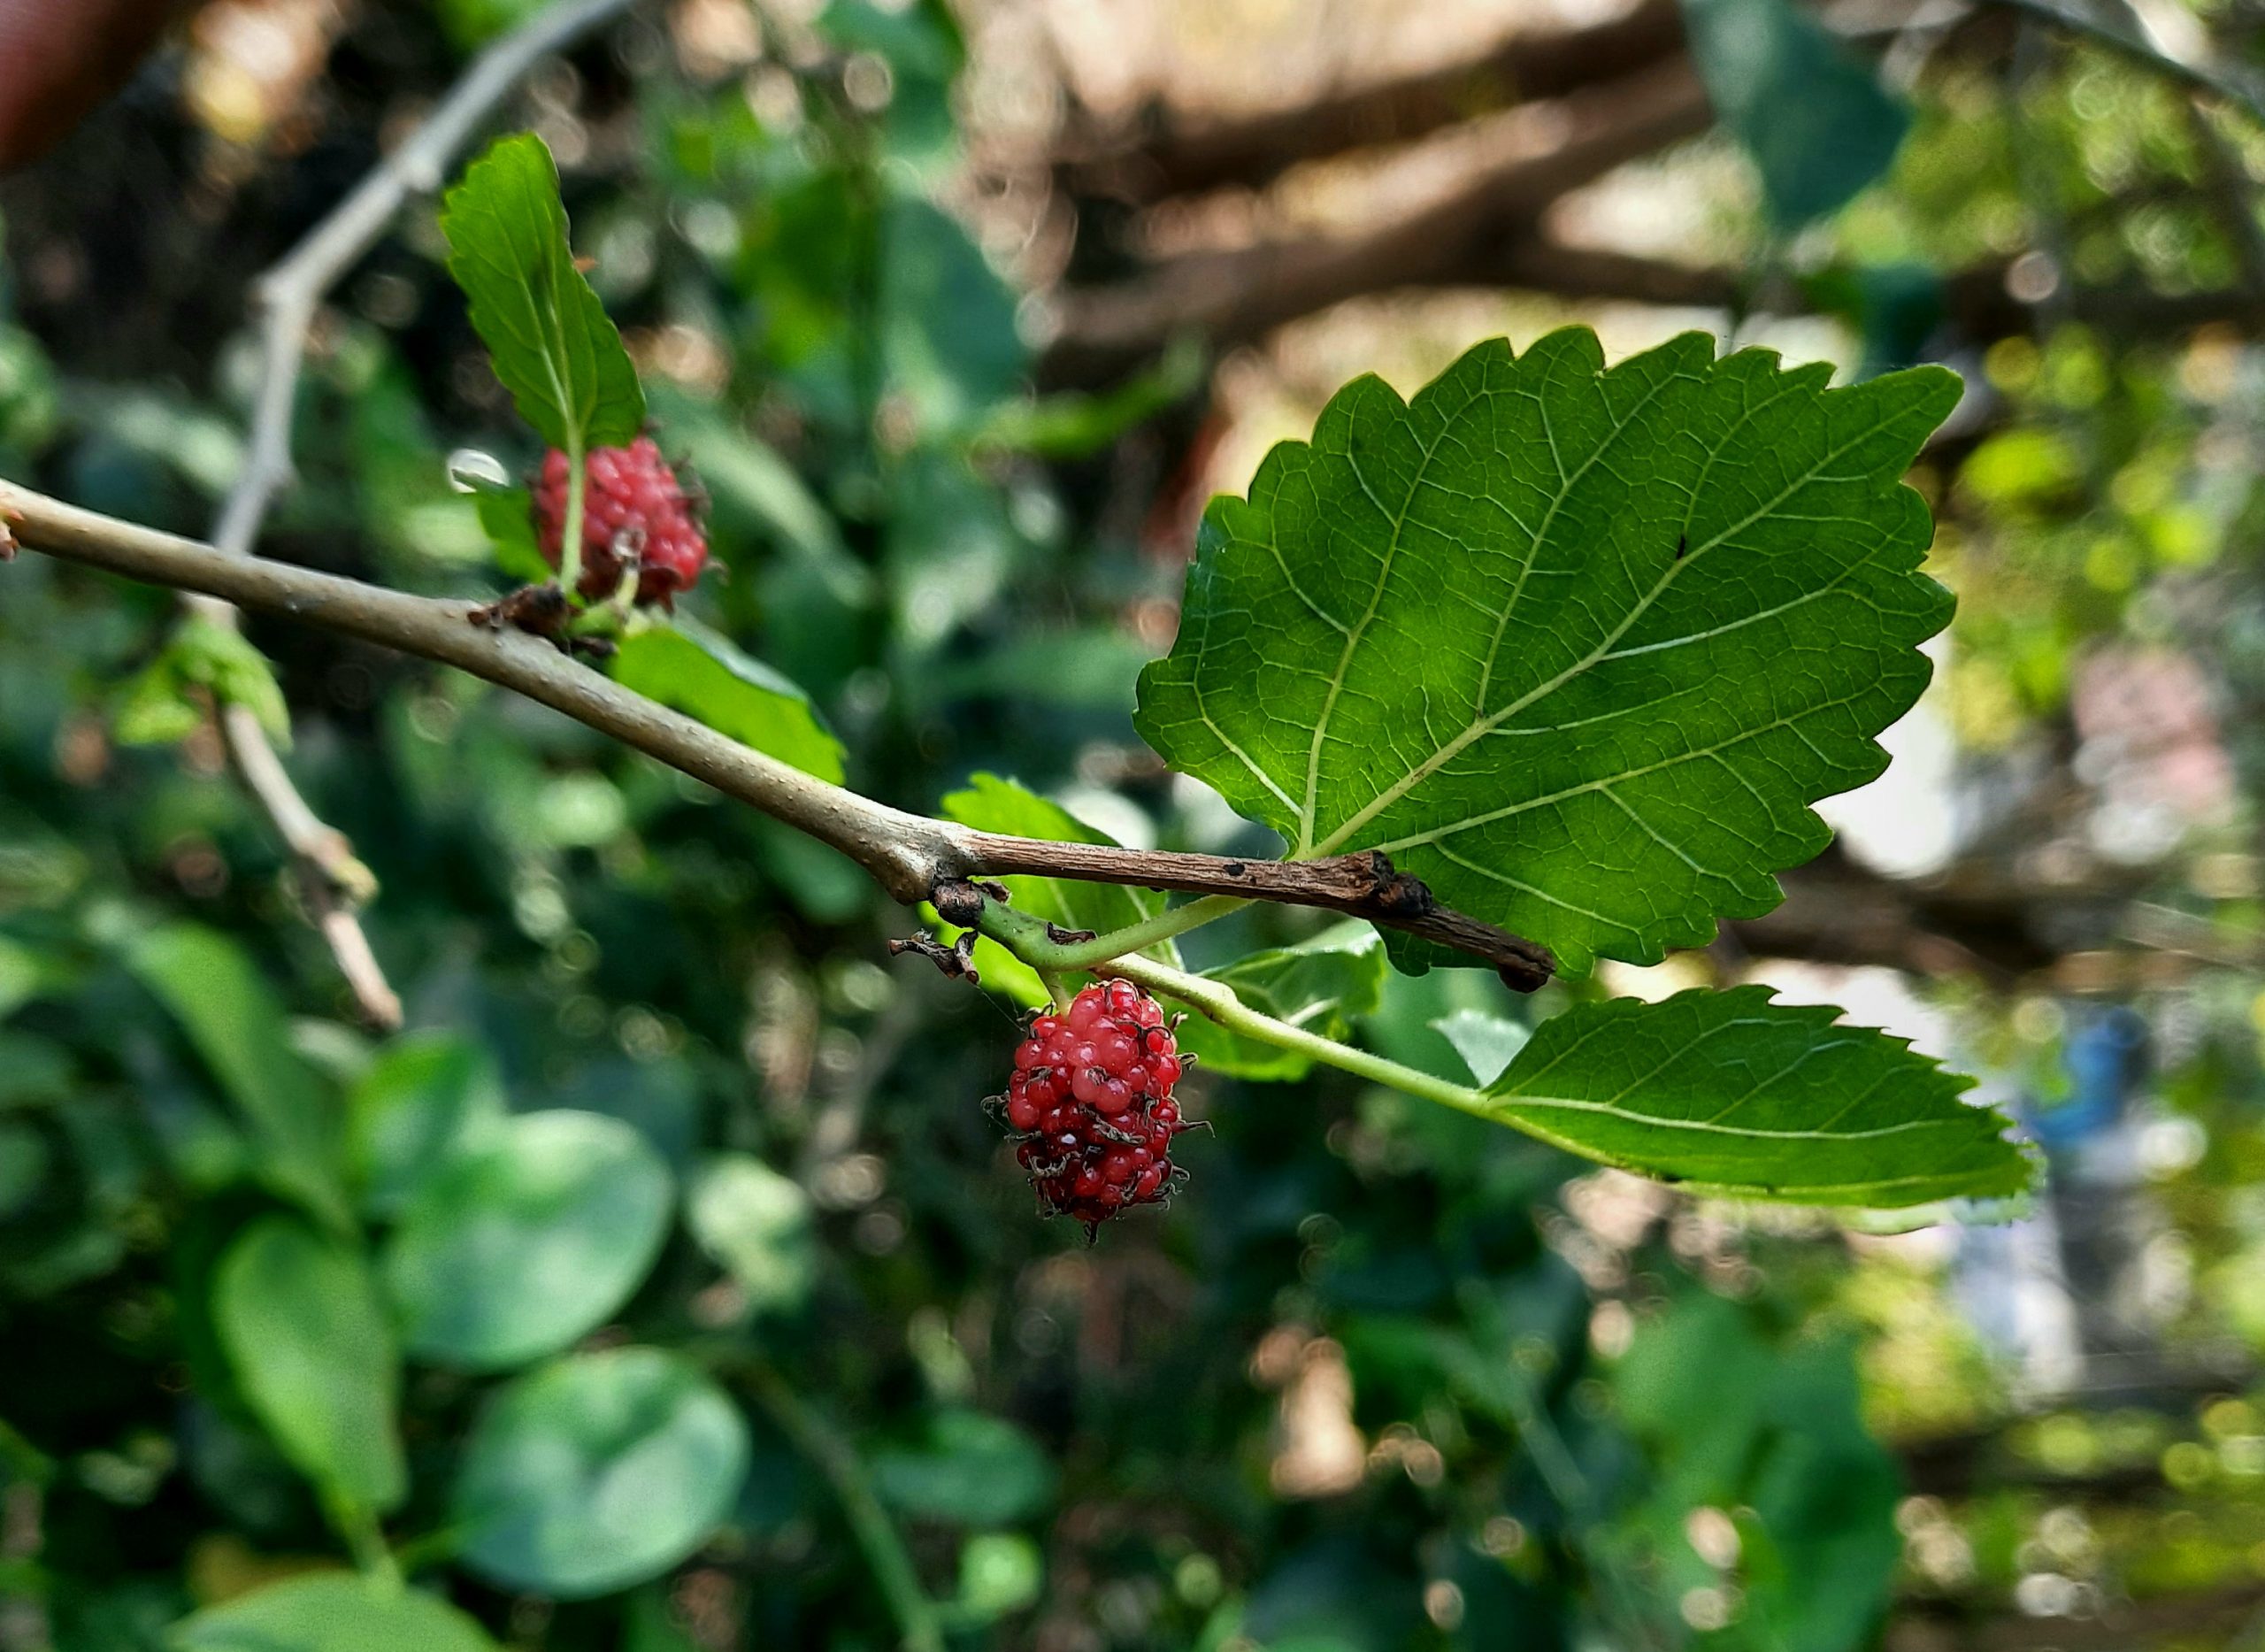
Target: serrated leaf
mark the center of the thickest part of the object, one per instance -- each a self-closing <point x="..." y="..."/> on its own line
<point x="706" y="677"/>
<point x="1733" y="1093"/>
<point x="331" y="1612"/>
<point x="991" y="803"/>
<point x="1319" y="984"/>
<point x="554" y="347"/>
<point x="1577" y="647"/>
<point x="308" y="1341"/>
<point x="1814" y="116"/>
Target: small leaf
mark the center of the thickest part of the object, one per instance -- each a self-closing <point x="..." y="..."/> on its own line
<point x="554" y="347"/>
<point x="968" y="1469"/>
<point x="506" y="515"/>
<point x="1485" y="1042"/>
<point x="993" y="804"/>
<point x="1576" y="646"/>
<point x="1812" y="116"/>
<point x="425" y="1099"/>
<point x="1319" y="984"/>
<point x="704" y="676"/>
<point x="597" y="1473"/>
<point x="299" y="1317"/>
<point x="234" y="1020"/>
<point x="527" y="1240"/>
<point x="1736" y="1094"/>
<point x="166" y="700"/>
<point x="756" y="1225"/>
<point x="331" y="1612"/>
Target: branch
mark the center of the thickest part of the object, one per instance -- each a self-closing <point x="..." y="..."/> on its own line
<point x="334" y="881"/>
<point x="1463" y="238"/>
<point x="911" y="857"/>
<point x="1254" y="150"/>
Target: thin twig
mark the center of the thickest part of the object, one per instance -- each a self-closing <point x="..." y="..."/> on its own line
<point x="334" y="881"/>
<point x="911" y="857"/>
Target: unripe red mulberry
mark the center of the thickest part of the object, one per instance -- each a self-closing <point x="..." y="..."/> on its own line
<point x="632" y="506"/>
<point x="1092" y="1101"/>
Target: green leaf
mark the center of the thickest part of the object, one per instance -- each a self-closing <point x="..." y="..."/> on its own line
<point x="331" y="1612"/>
<point x="424" y="1100"/>
<point x="993" y="804"/>
<point x="756" y="1225"/>
<point x="596" y="1473"/>
<point x="167" y="700"/>
<point x="969" y="1468"/>
<point x="1320" y="985"/>
<point x="506" y="517"/>
<point x="238" y="1028"/>
<point x="1814" y="116"/>
<point x="1577" y="647"/>
<point x="299" y="1317"/>
<point x="527" y="1240"/>
<point x="704" y="677"/>
<point x="1736" y="1094"/>
<point x="554" y="347"/>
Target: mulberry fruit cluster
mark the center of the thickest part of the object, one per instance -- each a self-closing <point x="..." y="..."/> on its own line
<point x="1091" y="1102"/>
<point x="632" y="507"/>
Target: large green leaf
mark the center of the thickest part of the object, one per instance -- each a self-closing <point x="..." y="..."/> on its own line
<point x="307" y="1338"/>
<point x="1577" y="647"/>
<point x="1814" y="116"/>
<point x="553" y="345"/>
<point x="597" y="1473"/>
<point x="1734" y="1094"/>
<point x="528" y="1238"/>
<point x="235" y="1024"/>
<point x="704" y="677"/>
<point x="331" y="1612"/>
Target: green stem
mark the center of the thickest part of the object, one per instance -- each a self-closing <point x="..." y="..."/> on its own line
<point x="1067" y="958"/>
<point x="570" y="543"/>
<point x="365" y="1542"/>
<point x="1024" y="936"/>
<point x="885" y="1552"/>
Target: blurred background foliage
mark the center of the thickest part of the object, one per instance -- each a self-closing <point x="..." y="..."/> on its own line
<point x="665" y="1286"/>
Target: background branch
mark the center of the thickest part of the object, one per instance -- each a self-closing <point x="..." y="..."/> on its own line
<point x="332" y="881"/>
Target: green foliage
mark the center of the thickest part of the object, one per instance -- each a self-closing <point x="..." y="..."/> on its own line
<point x="308" y="1339"/>
<point x="1576" y="646"/>
<point x="332" y="1614"/>
<point x="424" y="1100"/>
<point x="757" y="1224"/>
<point x="1324" y="984"/>
<point x="526" y="1239"/>
<point x="1732" y="1093"/>
<point x="966" y="1468"/>
<point x="552" y="343"/>
<point x="1814" y="118"/>
<point x="597" y="1473"/>
<point x="704" y="676"/>
<point x="204" y="666"/>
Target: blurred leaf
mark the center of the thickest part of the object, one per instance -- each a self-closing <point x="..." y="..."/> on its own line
<point x="203" y="665"/>
<point x="755" y="1224"/>
<point x="299" y="1317"/>
<point x="968" y="1469"/>
<point x="1527" y="634"/>
<point x="706" y="677"/>
<point x="1319" y="984"/>
<point x="1736" y="1094"/>
<point x="1000" y="1572"/>
<point x="236" y="1026"/>
<point x="426" y="1097"/>
<point x="1074" y="424"/>
<point x="597" y="1472"/>
<point x="553" y="345"/>
<point x="647" y="1625"/>
<point x="332" y="1612"/>
<point x="1812" y="116"/>
<point x="993" y="804"/>
<point x="529" y="1238"/>
<point x="21" y="972"/>
<point x="1489" y="1042"/>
